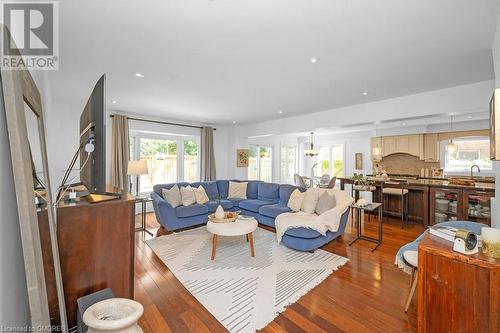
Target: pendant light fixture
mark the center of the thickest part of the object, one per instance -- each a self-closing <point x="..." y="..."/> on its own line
<point x="451" y="147"/>
<point x="376" y="150"/>
<point x="311" y="152"/>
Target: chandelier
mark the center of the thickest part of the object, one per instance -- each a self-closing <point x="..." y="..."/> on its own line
<point x="311" y="152"/>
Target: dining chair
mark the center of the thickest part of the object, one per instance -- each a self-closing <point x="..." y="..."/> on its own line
<point x="299" y="181"/>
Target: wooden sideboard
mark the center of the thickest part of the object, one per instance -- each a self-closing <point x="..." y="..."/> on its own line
<point x="96" y="249"/>
<point x="456" y="292"/>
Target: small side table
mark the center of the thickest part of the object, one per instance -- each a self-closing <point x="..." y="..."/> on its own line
<point x="143" y="201"/>
<point x="374" y="206"/>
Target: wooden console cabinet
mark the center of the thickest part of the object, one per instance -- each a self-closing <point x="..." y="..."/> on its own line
<point x="456" y="292"/>
<point x="96" y="248"/>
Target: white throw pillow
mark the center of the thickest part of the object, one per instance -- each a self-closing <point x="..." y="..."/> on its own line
<point x="295" y="200"/>
<point x="172" y="196"/>
<point x="201" y="195"/>
<point x="310" y="200"/>
<point x="187" y="194"/>
<point x="237" y="190"/>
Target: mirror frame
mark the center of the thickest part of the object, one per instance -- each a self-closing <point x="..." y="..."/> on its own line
<point x="17" y="88"/>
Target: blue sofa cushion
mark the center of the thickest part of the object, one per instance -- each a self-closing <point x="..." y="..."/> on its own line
<point x="273" y="210"/>
<point x="303" y="233"/>
<point x="158" y="187"/>
<point x="223" y="187"/>
<point x="191" y="210"/>
<point x="285" y="192"/>
<point x="253" y="205"/>
<point x="268" y="191"/>
<point x="210" y="187"/>
<point x="225" y="203"/>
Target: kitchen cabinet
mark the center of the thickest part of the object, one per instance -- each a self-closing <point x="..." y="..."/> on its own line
<point x="388" y="145"/>
<point x="405" y="144"/>
<point x="445" y="204"/>
<point x="477" y="206"/>
<point x="431" y="147"/>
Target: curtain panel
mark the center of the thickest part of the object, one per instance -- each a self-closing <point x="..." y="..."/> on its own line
<point x="119" y="152"/>
<point x="207" y="167"/>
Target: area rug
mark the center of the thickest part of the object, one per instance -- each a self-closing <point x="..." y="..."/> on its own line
<point x="243" y="293"/>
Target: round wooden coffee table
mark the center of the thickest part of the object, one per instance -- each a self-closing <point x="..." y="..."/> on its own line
<point x="236" y="228"/>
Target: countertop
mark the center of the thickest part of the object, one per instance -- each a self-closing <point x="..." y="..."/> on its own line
<point x="480" y="186"/>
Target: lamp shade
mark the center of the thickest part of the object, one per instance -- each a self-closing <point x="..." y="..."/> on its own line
<point x="136" y="168"/>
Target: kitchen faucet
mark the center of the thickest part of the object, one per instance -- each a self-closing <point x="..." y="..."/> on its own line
<point x="472" y="168"/>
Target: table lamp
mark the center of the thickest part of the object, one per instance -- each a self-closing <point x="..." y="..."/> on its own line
<point x="137" y="168"/>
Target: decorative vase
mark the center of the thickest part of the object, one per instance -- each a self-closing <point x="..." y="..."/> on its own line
<point x="219" y="213"/>
<point x="117" y="315"/>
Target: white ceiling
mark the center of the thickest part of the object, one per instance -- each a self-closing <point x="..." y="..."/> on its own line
<point x="244" y="60"/>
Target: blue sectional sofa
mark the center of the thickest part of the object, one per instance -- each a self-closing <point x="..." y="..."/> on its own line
<point x="265" y="201"/>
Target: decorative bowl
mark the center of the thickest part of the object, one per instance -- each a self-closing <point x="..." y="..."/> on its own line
<point x="228" y="217"/>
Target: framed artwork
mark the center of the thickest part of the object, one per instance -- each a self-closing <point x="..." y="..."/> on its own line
<point x="241" y="158"/>
<point x="358" y="158"/>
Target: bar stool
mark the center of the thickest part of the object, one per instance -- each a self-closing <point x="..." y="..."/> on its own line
<point x="397" y="189"/>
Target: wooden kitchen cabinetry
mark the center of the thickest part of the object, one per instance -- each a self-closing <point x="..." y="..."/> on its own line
<point x="406" y="144"/>
<point x="448" y="204"/>
<point x="477" y="206"/>
<point x="388" y="145"/>
<point x="431" y="147"/>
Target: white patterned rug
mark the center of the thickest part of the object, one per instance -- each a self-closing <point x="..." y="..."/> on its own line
<point x="243" y="293"/>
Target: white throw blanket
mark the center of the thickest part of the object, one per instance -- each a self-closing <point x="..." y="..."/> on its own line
<point x="328" y="221"/>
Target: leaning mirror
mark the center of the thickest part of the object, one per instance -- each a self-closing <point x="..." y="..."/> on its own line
<point x="21" y="103"/>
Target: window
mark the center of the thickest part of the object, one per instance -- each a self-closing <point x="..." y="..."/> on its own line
<point x="288" y="163"/>
<point x="260" y="163"/>
<point x="170" y="159"/>
<point x="191" y="172"/>
<point x="330" y="161"/>
<point x="161" y="156"/>
<point x="471" y="150"/>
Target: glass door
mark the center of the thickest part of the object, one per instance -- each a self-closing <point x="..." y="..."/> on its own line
<point x="446" y="205"/>
<point x="477" y="206"/>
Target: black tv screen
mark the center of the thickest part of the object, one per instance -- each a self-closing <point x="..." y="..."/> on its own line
<point x="93" y="127"/>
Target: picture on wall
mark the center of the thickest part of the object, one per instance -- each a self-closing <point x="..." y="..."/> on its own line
<point x="242" y="158"/>
<point x="358" y="157"/>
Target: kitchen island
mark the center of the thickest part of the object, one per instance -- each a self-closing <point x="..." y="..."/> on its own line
<point x="435" y="200"/>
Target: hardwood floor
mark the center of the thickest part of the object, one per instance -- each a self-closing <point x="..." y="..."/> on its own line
<point x="365" y="295"/>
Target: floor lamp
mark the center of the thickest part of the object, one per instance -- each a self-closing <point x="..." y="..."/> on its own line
<point x="137" y="168"/>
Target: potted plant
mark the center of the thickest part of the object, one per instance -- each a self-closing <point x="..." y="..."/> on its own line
<point x="362" y="183"/>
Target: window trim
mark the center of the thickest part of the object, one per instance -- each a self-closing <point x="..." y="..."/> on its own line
<point x="296" y="166"/>
<point x="258" y="146"/>
<point x="136" y="136"/>
<point x="463" y="172"/>
<point x="330" y="151"/>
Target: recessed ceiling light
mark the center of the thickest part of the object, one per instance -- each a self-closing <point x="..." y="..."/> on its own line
<point x="139" y="75"/>
<point x="280" y="111"/>
<point x="364" y="93"/>
<point x="234" y="121"/>
<point x="314" y="60"/>
<point x="404" y="124"/>
<point x="469" y="117"/>
<point x="113" y="101"/>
